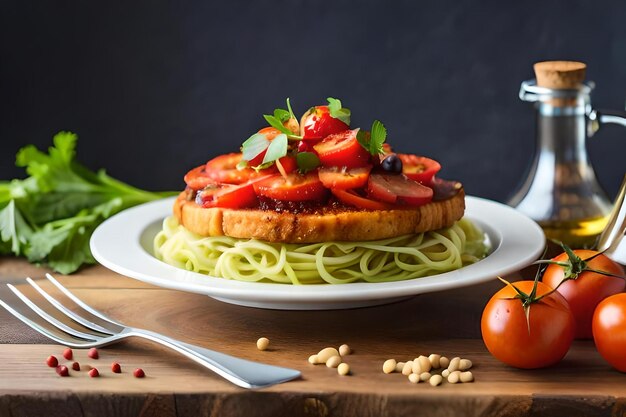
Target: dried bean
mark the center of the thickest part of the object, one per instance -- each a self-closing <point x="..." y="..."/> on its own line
<point x="389" y="366"/>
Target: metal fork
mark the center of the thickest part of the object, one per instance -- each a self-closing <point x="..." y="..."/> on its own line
<point x="244" y="373"/>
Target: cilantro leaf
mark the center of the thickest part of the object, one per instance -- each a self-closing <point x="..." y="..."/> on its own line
<point x="282" y="115"/>
<point x="373" y="140"/>
<point x="254" y="146"/>
<point x="277" y="149"/>
<point x="307" y="161"/>
<point x="277" y="124"/>
<point x="338" y="112"/>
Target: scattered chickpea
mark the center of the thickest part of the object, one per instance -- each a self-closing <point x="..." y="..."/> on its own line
<point x="389" y="366"/>
<point x="343" y="369"/>
<point x="445" y="373"/>
<point x="333" y="361"/>
<point x="416" y="368"/>
<point x="466" y="376"/>
<point x="313" y="359"/>
<point x="425" y="376"/>
<point x="444" y="362"/>
<point x="344" y="350"/>
<point x="435" y="380"/>
<point x="454" y="364"/>
<point x="399" y="366"/>
<point x="414" y="378"/>
<point x="262" y="343"/>
<point x="408" y="368"/>
<point x="425" y="364"/>
<point x="326" y="354"/>
<point x="454" y="377"/>
<point x="465" y="364"/>
<point x="435" y="360"/>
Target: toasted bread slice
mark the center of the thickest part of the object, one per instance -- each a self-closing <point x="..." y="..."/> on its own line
<point x="321" y="226"/>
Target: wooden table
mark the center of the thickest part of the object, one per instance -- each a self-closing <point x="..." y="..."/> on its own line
<point x="445" y="322"/>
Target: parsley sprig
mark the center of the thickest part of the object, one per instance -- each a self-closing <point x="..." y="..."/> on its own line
<point x="280" y="117"/>
<point x="338" y="112"/>
<point x="373" y="140"/>
<point x="50" y="216"/>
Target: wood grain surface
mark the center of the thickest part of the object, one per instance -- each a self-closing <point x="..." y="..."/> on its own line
<point x="445" y="322"/>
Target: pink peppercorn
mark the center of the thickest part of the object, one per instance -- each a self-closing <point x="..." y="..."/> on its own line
<point x="139" y="373"/>
<point x="116" y="368"/>
<point x="62" y="370"/>
<point x="68" y="354"/>
<point x="94" y="373"/>
<point x="76" y="366"/>
<point x="52" y="361"/>
<point x="93" y="353"/>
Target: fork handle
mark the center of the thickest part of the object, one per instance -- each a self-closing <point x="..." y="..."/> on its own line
<point x="241" y="372"/>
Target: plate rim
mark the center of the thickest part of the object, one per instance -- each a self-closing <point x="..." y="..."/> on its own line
<point x="156" y="272"/>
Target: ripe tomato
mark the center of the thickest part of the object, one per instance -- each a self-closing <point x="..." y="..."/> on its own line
<point x="342" y="150"/>
<point x="609" y="330"/>
<point x="317" y="123"/>
<point x="227" y="196"/>
<point x="585" y="292"/>
<point x="397" y="188"/>
<point x="419" y="168"/>
<point x="351" y="198"/>
<point x="286" y="165"/>
<point x="344" y="179"/>
<point x="197" y="178"/>
<point x="223" y="169"/>
<point x="542" y="341"/>
<point x="293" y="187"/>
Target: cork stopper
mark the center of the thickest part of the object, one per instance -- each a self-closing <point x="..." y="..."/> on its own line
<point x="560" y="74"/>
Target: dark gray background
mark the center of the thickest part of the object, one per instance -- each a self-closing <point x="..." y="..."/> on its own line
<point x="155" y="88"/>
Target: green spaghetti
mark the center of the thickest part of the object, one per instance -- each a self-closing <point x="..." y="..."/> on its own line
<point x="394" y="259"/>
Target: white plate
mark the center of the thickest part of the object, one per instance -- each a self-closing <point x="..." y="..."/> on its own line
<point x="123" y="244"/>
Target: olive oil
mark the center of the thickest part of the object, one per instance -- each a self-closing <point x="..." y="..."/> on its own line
<point x="561" y="191"/>
<point x="579" y="233"/>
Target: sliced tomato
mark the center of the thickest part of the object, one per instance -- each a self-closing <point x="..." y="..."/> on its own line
<point x="317" y="123"/>
<point x="342" y="150"/>
<point x="223" y="169"/>
<point x="293" y="187"/>
<point x="419" y="168"/>
<point x="397" y="188"/>
<point x="197" y="178"/>
<point x="352" y="198"/>
<point x="286" y="165"/>
<point x="227" y="196"/>
<point x="344" y="179"/>
<point x="307" y="145"/>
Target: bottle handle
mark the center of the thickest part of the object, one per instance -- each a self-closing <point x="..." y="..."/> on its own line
<point x="615" y="230"/>
<point x="598" y="118"/>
